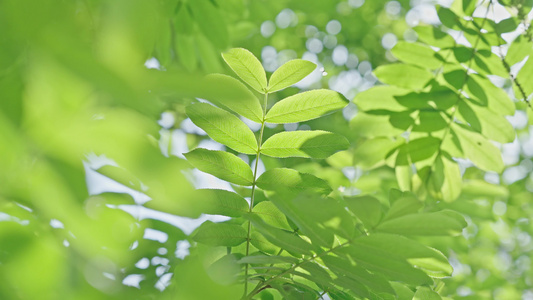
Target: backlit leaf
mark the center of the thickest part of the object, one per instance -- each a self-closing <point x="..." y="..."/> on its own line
<point x="403" y="75"/>
<point x="223" y="165"/>
<point x="247" y="67"/>
<point x="478" y="149"/>
<point x="290" y="73"/>
<point x="306" y="106"/>
<point x="223" y="127"/>
<point x="417" y="54"/>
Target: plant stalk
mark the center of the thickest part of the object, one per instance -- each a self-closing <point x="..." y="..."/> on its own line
<point x="259" y="143"/>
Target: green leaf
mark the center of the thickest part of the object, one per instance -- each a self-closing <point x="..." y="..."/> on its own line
<point x="223" y="127"/>
<point x="290" y="73"/>
<point x="305" y="106"/>
<point x="485" y="93"/>
<point x="374" y="125"/>
<point x="481" y="188"/>
<point x="221" y="202"/>
<point x="404" y="205"/>
<point x="327" y="213"/>
<point x="425" y="293"/>
<point x="247" y="67"/>
<point x="366" y="208"/>
<point x="271" y="215"/>
<point x="289" y="179"/>
<point x="344" y="267"/>
<point x="445" y="182"/>
<point x="525" y="72"/>
<point x="315" y="144"/>
<point x="381" y="97"/>
<point x="427" y="224"/>
<point x="223" y="165"/>
<point x="220" y="234"/>
<point x="386" y="254"/>
<point x="402" y="75"/>
<point x="417" y="54"/>
<point x="433" y="36"/>
<point x="372" y="153"/>
<point x="308" y="225"/>
<point x="478" y="149"/>
<point x="492" y="125"/>
<point x="402" y="291"/>
<point x="267" y="260"/>
<point x="418" y="150"/>
<point x="226" y="91"/>
<point x="284" y="239"/>
<point x="210" y="21"/>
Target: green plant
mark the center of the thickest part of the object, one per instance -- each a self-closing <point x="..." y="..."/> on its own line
<point x="304" y="239"/>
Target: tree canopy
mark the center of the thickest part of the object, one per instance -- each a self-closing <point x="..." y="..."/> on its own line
<point x="254" y="149"/>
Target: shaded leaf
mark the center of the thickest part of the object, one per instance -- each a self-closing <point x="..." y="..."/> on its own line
<point x="315" y="144"/>
<point x="430" y="224"/>
<point x="271" y="215"/>
<point x="281" y="238"/>
<point x="220" y="234"/>
<point x="372" y="153"/>
<point x="221" y="202"/>
<point x="283" y="178"/>
<point x="366" y="208"/>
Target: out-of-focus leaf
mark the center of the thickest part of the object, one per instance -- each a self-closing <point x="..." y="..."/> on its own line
<point x="478" y="149"/>
<point x="402" y="75"/>
<point x="432" y="35"/>
<point x="223" y="127"/>
<point x="308" y="225"/>
<point x="430" y="224"/>
<point x="417" y="54"/>
<point x="223" y="165"/>
<point x="264" y="260"/>
<point x="247" y="67"/>
<point x="290" y="73"/>
<point x="376" y="283"/>
<point x="210" y="21"/>
<point x="289" y="179"/>
<point x="425" y="293"/>
<point x="220" y="234"/>
<point x="492" y="125"/>
<point x="367" y="208"/>
<point x="306" y="106"/>
<point x="373" y="152"/>
<point x="445" y="182"/>
<point x="315" y="144"/>
<point x="404" y="205"/>
<point x="226" y="91"/>
<point x="220" y="202"/>
<point x="271" y="215"/>
<point x="282" y="238"/>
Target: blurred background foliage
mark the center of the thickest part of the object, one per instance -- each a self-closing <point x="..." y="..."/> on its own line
<point x="95" y="89"/>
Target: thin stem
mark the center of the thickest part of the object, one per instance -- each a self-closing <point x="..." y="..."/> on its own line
<point x="312" y="258"/>
<point x="258" y="155"/>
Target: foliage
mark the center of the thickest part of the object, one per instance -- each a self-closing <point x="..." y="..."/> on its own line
<point x="402" y="193"/>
